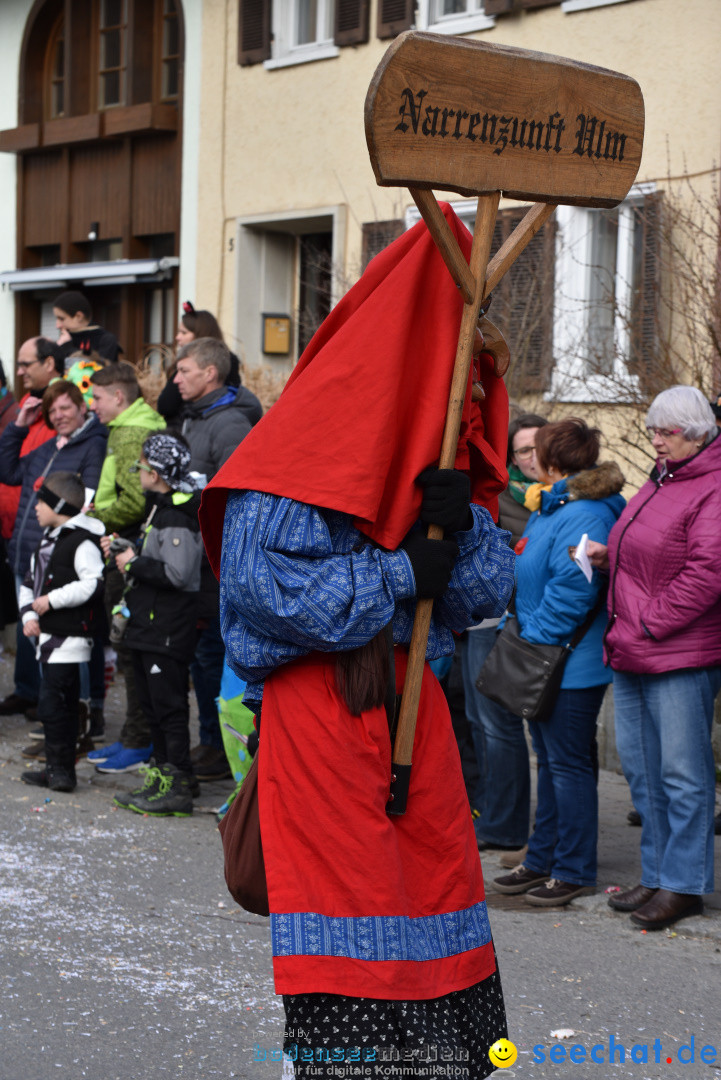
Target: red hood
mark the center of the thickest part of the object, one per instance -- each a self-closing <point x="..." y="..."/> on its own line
<point x="363" y="412"/>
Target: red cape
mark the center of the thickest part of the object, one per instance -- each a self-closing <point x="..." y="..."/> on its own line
<point x="363" y="412"/>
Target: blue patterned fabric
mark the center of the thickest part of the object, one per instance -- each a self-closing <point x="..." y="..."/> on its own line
<point x="295" y="578"/>
<point x="380" y="937"/>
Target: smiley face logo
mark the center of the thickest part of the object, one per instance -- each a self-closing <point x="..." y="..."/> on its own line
<point x="503" y="1053"/>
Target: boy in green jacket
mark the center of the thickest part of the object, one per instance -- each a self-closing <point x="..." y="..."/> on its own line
<point x="120" y="505"/>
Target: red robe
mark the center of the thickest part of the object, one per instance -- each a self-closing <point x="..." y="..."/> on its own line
<point x="361" y="903"/>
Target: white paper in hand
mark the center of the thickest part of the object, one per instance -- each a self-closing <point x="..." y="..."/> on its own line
<point x="581" y="558"/>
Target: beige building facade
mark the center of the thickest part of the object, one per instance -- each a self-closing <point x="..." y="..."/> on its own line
<point x="288" y="206"/>
<point x="275" y="207"/>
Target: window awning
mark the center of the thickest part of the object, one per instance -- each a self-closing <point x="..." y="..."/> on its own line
<point x="113" y="272"/>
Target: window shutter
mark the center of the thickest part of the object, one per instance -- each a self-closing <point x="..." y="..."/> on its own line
<point x="522" y="306"/>
<point x="378" y="235"/>
<point x="253" y="32"/>
<point x="528" y="4"/>
<point x="394" y="16"/>
<point x="498" y="7"/>
<point x="644" y="360"/>
<point x="351" y="22"/>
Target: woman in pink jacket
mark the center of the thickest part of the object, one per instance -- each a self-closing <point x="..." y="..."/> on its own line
<point x="663" y="642"/>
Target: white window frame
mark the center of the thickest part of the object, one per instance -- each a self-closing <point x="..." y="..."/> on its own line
<point x="285" y="51"/>
<point x="570" y="378"/>
<point x="463" y="23"/>
<point x="569" y="6"/>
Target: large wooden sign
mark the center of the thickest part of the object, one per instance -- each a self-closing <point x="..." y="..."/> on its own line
<point x="487" y="120"/>
<point x="466" y="116"/>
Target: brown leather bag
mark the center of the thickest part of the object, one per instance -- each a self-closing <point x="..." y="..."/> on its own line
<point x="242" y="847"/>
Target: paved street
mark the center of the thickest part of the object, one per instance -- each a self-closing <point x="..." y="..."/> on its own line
<point x="124" y="956"/>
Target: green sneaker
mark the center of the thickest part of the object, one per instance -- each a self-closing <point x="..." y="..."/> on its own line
<point x="151" y="784"/>
<point x="173" y="797"/>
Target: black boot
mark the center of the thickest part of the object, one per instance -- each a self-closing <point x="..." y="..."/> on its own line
<point x="54" y="777"/>
<point x="173" y="797"/>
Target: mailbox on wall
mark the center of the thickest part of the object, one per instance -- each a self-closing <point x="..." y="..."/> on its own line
<point x="276" y="334"/>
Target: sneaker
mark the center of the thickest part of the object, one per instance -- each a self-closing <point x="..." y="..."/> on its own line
<point x="126" y="760"/>
<point x="14" y="704"/>
<point x="173" y="797"/>
<point x="519" y="880"/>
<point x="37" y="733"/>
<point x="55" y="778"/>
<point x="151" y="783"/>
<point x="97" y="757"/>
<point x="556" y="893"/>
<point x="212" y="766"/>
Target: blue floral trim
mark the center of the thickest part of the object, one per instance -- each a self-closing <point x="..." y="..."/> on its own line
<point x="380" y="937"/>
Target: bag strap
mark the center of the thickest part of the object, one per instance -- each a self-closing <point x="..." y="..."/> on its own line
<point x="588" y="621"/>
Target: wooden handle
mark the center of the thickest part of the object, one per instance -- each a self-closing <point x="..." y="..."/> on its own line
<point x="482" y="237"/>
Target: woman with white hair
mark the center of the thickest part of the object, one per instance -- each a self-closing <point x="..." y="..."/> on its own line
<point x="664" y="645"/>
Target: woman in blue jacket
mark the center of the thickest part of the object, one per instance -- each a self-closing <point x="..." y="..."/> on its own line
<point x="553" y="600"/>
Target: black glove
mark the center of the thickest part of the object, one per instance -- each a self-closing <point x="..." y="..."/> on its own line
<point x="446" y="499"/>
<point x="432" y="563"/>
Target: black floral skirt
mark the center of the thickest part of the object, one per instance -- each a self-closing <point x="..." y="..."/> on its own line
<point x="330" y="1035"/>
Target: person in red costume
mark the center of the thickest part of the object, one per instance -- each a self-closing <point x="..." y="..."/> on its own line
<point x="315" y="528"/>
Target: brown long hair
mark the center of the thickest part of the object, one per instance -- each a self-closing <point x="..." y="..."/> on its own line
<point x="202" y="324"/>
<point x="362" y="675"/>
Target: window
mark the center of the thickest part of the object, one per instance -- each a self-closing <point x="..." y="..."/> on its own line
<point x="523" y="301"/>
<point x="170" y="52"/>
<point x="604" y="320"/>
<point x="453" y="16"/>
<point x="302" y="31"/>
<point x="579" y="305"/>
<point x="112" y="53"/>
<point x="55" y="79"/>
<point x="377" y="235"/>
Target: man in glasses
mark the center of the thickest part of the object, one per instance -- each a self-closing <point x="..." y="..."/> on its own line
<point x="39" y="363"/>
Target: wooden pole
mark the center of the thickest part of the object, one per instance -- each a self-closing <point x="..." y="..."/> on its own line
<point x="480" y="251"/>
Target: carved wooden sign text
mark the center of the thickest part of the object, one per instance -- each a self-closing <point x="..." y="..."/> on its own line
<point x="465" y="116"/>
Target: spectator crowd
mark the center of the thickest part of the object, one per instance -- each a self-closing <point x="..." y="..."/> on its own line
<point x="102" y="563"/>
<point x="102" y="557"/>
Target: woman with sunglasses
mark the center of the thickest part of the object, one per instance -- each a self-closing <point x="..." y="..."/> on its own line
<point x="664" y="645"/>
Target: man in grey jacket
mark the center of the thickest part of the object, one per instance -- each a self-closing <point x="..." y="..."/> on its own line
<point x="213" y="424"/>
<point x="212" y="420"/>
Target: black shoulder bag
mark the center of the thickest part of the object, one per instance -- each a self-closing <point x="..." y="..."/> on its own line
<point x="526" y="678"/>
